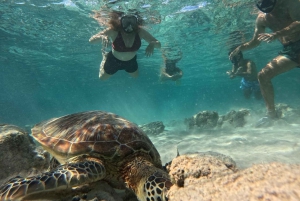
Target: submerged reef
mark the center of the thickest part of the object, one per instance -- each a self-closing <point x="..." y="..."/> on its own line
<point x="211" y="119"/>
<point x="241" y="118"/>
<point x="206" y="177"/>
<point x="153" y="128"/>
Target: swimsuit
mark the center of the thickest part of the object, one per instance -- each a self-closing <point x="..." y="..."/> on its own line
<point x="119" y="44"/>
<point x="112" y="64"/>
<point x="252" y="85"/>
<point x="173" y="71"/>
<point x="171" y="68"/>
<point x="292" y="51"/>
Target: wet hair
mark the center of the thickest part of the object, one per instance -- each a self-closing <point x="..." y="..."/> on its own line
<point x="112" y="19"/>
<point x="236" y="58"/>
<point x="240" y="54"/>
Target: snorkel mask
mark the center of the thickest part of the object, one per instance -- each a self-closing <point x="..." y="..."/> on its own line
<point x="129" y="23"/>
<point x="266" y="6"/>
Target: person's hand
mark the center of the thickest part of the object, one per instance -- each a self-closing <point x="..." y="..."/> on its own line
<point x="266" y="37"/>
<point x="239" y="70"/>
<point x="99" y="37"/>
<point x="176" y="76"/>
<point x="105" y="41"/>
<point x="149" y="50"/>
<point x="234" y="53"/>
<point x="231" y="74"/>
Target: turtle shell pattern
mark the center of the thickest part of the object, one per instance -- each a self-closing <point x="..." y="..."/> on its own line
<point x="96" y="133"/>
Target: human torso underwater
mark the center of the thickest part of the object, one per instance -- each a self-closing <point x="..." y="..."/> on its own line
<point x="278" y="20"/>
<point x="244" y="68"/>
<point x="131" y="41"/>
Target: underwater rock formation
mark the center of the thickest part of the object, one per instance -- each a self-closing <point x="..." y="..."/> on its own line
<point x="203" y="120"/>
<point x="211" y="119"/>
<point x="233" y="119"/>
<point x="18" y="153"/>
<point x="184" y="169"/>
<point x="153" y="128"/>
<point x="208" y="178"/>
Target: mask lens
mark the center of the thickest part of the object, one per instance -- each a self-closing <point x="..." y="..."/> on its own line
<point x="128" y="20"/>
<point x="266" y="6"/>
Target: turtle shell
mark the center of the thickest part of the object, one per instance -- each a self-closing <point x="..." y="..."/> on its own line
<point x="96" y="133"/>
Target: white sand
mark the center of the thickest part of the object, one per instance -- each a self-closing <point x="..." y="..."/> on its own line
<point x="246" y="146"/>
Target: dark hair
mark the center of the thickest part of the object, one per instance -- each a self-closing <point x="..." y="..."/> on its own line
<point x="240" y="54"/>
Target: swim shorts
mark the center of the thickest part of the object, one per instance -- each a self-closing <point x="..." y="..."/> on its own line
<point x="250" y="85"/>
<point x="292" y="51"/>
<point x="112" y="64"/>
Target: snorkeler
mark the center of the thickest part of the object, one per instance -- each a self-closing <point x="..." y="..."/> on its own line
<point x="126" y="33"/>
<point x="170" y="71"/>
<point x="283" y="18"/>
<point x="246" y="69"/>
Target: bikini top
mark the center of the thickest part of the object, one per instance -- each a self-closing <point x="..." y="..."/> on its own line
<point x="120" y="46"/>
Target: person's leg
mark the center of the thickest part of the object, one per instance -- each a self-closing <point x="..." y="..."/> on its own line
<point x="103" y="75"/>
<point x="107" y="66"/>
<point x="132" y="67"/>
<point x="135" y="74"/>
<point x="277" y="66"/>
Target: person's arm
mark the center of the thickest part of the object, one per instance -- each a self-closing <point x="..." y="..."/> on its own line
<point x="259" y="28"/>
<point x="232" y="72"/>
<point x="102" y="36"/>
<point x="293" y="29"/>
<point x="153" y="42"/>
<point x="177" y="75"/>
<point x="164" y="75"/>
<point x="248" y="72"/>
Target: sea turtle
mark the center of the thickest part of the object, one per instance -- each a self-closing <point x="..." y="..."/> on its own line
<point x="93" y="146"/>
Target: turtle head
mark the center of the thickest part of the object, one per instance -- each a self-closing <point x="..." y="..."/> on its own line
<point x="155" y="187"/>
<point x="147" y="181"/>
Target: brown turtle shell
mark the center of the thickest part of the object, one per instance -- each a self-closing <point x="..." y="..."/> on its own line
<point x="96" y="133"/>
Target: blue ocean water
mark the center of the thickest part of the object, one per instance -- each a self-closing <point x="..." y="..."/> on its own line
<point x="49" y="69"/>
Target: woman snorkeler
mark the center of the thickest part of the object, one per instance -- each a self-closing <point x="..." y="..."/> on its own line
<point x="125" y="31"/>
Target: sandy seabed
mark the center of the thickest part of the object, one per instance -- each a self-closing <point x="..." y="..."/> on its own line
<point x="246" y="146"/>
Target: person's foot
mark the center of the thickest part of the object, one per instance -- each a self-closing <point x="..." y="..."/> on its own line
<point x="268" y="120"/>
<point x="264" y="122"/>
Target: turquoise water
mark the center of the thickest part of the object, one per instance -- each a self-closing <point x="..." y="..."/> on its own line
<point x="49" y="69"/>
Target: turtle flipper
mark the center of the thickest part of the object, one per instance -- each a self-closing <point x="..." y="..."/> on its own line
<point x="63" y="177"/>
